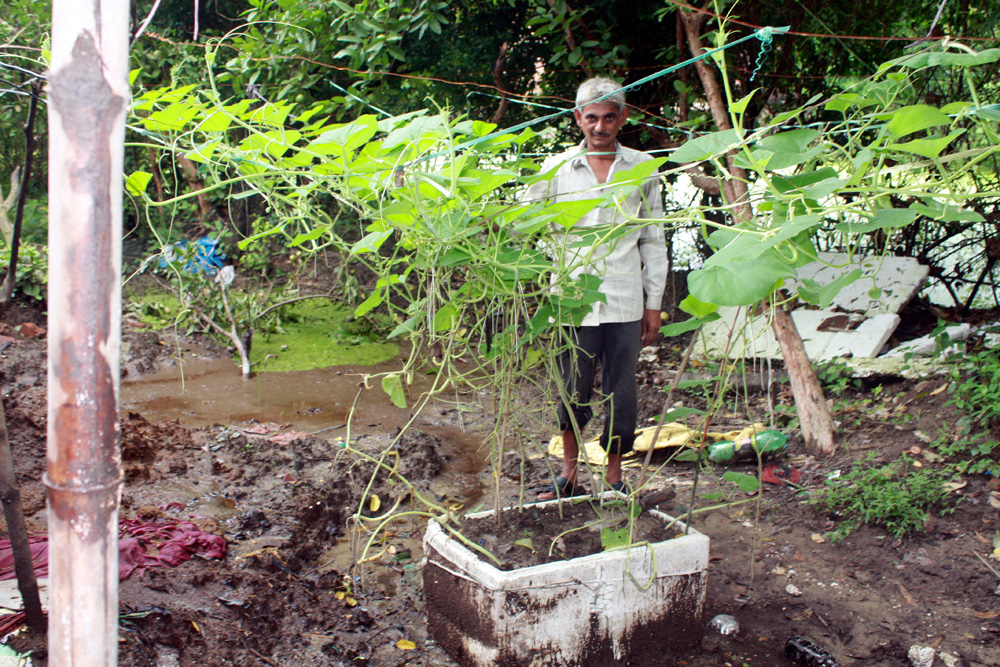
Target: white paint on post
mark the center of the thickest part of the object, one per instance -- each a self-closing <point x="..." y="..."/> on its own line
<point x="88" y="95"/>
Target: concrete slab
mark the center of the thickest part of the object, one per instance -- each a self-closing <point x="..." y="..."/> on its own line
<point x="900" y="278"/>
<point x="753" y="338"/>
<point x="860" y="332"/>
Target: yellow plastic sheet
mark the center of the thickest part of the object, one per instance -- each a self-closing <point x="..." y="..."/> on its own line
<point x="673" y="434"/>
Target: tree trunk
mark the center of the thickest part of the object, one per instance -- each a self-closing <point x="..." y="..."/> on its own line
<point x="8" y="204"/>
<point x="157" y="174"/>
<point x="498" y="82"/>
<point x="815" y="419"/>
<point x="88" y="97"/>
<point x="205" y="207"/>
<point x="814" y="414"/>
<point x="734" y="189"/>
<point x="7" y="291"/>
<point x="17" y="530"/>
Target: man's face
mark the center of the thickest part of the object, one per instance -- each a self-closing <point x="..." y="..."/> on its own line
<point x="600" y="123"/>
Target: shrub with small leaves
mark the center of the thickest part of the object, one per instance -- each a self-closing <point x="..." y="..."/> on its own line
<point x="897" y="496"/>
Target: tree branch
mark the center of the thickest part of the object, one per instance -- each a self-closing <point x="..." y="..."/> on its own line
<point x="498" y="82"/>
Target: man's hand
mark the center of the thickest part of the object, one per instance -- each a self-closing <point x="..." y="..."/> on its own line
<point x="651" y="324"/>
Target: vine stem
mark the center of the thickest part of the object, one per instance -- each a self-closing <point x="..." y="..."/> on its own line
<point x="666" y="407"/>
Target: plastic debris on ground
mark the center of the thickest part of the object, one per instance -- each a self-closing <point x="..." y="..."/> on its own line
<point x="803" y="652"/>
<point x="724" y="624"/>
<point x="764" y="443"/>
<point x="39" y="546"/>
<point x="176" y="542"/>
<point x="672" y="434"/>
<point x="780" y="473"/>
<point x="203" y="256"/>
<point x="11" y="658"/>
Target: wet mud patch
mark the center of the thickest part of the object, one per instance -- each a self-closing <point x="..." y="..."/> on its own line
<point x="536" y="534"/>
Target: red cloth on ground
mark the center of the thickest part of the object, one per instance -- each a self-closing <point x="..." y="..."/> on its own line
<point x="39" y="556"/>
<point x="177" y="541"/>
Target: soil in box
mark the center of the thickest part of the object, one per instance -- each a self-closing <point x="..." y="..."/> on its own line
<point x="622" y="606"/>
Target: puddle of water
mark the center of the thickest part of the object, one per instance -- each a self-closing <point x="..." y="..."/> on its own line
<point x="213" y="392"/>
<point x="315" y="401"/>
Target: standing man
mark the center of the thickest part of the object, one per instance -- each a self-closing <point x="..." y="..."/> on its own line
<point x="633" y="270"/>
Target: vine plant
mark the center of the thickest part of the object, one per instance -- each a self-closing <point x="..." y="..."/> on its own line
<point x="465" y="266"/>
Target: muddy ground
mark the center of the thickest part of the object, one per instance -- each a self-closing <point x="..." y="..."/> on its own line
<point x="287" y="593"/>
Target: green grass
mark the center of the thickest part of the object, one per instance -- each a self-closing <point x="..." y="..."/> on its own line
<point x="896" y="496"/>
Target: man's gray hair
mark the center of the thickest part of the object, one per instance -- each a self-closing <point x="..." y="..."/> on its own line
<point x="598" y="87"/>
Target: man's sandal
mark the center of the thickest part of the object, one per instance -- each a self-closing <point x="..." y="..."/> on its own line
<point x="562" y="488"/>
<point x="621" y="487"/>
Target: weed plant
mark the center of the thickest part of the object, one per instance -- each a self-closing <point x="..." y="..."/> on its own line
<point x="897" y="496"/>
<point x="975" y="390"/>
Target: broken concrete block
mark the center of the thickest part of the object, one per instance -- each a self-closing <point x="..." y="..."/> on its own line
<point x="855" y="325"/>
<point x="927" y="346"/>
<point x="819" y="330"/>
<point x="898" y="278"/>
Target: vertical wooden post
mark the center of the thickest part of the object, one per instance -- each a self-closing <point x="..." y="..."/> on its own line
<point x="815" y="419"/>
<point x="88" y="97"/>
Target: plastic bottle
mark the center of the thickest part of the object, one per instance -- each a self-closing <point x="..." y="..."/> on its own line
<point x="803" y="652"/>
<point x="765" y="443"/>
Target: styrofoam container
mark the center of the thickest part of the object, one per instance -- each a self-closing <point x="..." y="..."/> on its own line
<point x="625" y="607"/>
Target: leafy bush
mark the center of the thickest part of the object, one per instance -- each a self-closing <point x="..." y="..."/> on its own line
<point x="896" y="495"/>
<point x="975" y="391"/>
<point x="32" y="269"/>
<point x="836" y="377"/>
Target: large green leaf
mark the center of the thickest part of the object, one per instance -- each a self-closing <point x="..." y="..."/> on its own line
<point x="638" y="173"/>
<point x="707" y="145"/>
<point x="793" y="141"/>
<point x="371" y="242"/>
<point x="137" y="182"/>
<point x="929" y="148"/>
<point x="419" y="128"/>
<point x="739" y="283"/>
<point x="884" y="218"/>
<point x="915" y="118"/>
<point x="813" y="293"/>
<point x="174" y="117"/>
<point x="695" y="308"/>
<point x="392" y="384"/>
<point x="804" y="180"/>
<point x="345" y="137"/>
<point x="944" y="59"/>
<point x="946" y="212"/>
<point x="747" y="483"/>
<point x="678" y="328"/>
<point x="567" y="213"/>
<point x="747" y="246"/>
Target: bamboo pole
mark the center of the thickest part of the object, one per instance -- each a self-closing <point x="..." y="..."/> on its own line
<point x="88" y="97"/>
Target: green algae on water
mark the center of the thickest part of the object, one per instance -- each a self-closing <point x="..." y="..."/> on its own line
<point x="317" y="333"/>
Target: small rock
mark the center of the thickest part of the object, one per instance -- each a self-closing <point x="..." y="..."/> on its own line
<point x="724" y="624"/>
<point x="950" y="659"/>
<point x="818" y="539"/>
<point x="779" y="571"/>
<point x="793" y="590"/>
<point x="921" y="656"/>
